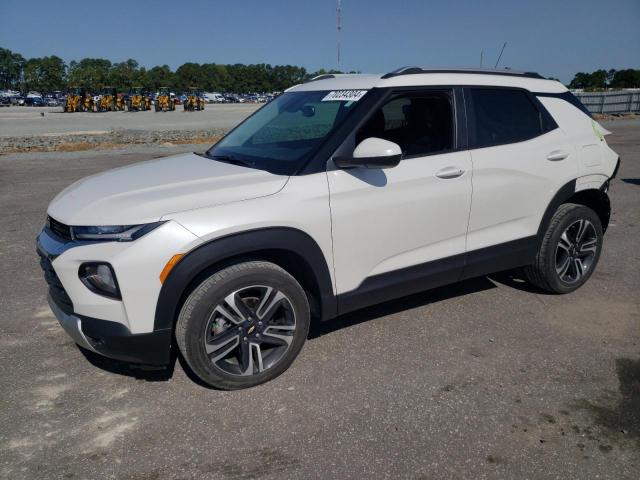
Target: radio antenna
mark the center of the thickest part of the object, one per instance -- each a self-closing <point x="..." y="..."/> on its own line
<point x="339" y="28"/>
<point x="500" y="56"/>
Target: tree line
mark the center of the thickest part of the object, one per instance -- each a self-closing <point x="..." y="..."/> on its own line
<point x="603" y="79"/>
<point x="48" y="74"/>
<point x="52" y="73"/>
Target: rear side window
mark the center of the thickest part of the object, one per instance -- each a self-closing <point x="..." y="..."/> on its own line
<point x="502" y="116"/>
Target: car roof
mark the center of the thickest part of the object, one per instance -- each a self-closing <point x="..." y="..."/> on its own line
<point x="416" y="76"/>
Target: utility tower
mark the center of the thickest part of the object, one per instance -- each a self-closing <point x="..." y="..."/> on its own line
<point x="339" y="28"/>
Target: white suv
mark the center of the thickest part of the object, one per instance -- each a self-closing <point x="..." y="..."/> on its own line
<point x="345" y="191"/>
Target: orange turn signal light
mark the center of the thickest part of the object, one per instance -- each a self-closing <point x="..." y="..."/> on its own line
<point x="173" y="261"/>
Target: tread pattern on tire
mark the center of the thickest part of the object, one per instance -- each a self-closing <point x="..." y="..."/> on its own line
<point x="535" y="272"/>
<point x="181" y="331"/>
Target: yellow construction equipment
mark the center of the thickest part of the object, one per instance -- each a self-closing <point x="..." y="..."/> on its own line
<point x="86" y="103"/>
<point x="120" y="102"/>
<point x="194" y="101"/>
<point x="138" y="100"/>
<point x="107" y="102"/>
<point x="72" y="103"/>
<point x="164" y="102"/>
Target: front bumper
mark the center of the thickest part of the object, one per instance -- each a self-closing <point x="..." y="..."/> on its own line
<point x="110" y="338"/>
<point x="70" y="324"/>
<point x="114" y="340"/>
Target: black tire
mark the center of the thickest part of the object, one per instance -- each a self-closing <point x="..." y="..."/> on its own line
<point x="197" y="314"/>
<point x="544" y="272"/>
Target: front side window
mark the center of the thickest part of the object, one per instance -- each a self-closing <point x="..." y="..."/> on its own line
<point x="502" y="116"/>
<point x="283" y="134"/>
<point x="421" y="123"/>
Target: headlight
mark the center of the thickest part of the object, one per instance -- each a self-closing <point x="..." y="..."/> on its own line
<point x="114" y="233"/>
<point x="99" y="278"/>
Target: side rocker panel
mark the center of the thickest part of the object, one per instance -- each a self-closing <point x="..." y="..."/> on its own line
<point x="216" y="251"/>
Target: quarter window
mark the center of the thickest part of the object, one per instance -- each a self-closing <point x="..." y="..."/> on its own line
<point x="503" y="116"/>
<point x="421" y="123"/>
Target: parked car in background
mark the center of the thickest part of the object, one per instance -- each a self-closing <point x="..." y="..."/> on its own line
<point x="5" y="101"/>
<point x="214" y="97"/>
<point x="12" y="95"/>
<point x="51" y="101"/>
<point x="231" y="98"/>
<point x="34" y="102"/>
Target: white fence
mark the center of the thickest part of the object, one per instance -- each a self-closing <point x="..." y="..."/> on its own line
<point x="621" y="101"/>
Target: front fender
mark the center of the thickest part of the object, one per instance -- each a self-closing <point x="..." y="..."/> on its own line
<point x="282" y="239"/>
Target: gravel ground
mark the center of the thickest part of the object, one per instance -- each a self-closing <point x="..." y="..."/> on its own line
<point x="484" y="379"/>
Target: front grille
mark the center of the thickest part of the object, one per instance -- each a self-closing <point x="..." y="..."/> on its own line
<point x="56" y="290"/>
<point x="60" y="229"/>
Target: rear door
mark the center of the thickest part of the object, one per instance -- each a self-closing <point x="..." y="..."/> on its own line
<point x="397" y="228"/>
<point x="520" y="160"/>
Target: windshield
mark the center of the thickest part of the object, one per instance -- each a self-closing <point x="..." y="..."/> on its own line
<point x="283" y="134"/>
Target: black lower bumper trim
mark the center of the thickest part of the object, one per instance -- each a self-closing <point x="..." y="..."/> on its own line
<point x="114" y="340"/>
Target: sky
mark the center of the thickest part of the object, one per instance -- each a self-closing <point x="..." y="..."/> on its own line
<point x="553" y="37"/>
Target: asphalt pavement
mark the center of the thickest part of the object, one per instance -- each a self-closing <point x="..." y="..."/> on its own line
<point x="52" y="121"/>
<point x="488" y="378"/>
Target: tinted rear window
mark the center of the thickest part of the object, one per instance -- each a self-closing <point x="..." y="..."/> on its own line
<point x="503" y="116"/>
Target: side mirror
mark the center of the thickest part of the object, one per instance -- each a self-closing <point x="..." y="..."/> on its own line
<point x="372" y="152"/>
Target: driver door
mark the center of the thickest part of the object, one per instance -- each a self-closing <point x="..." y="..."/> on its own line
<point x="401" y="230"/>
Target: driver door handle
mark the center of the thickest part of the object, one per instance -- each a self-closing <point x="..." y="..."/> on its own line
<point x="450" y="172"/>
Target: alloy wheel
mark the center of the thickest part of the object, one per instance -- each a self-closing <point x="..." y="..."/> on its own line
<point x="250" y="330"/>
<point x="576" y="251"/>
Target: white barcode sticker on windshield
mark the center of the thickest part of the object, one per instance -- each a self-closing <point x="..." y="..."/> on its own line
<point x="344" y="96"/>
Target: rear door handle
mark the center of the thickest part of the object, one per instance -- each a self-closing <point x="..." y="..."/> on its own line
<point x="450" y="172"/>
<point x="557" y="155"/>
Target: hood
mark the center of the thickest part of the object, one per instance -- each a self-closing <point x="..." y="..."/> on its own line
<point x="144" y="192"/>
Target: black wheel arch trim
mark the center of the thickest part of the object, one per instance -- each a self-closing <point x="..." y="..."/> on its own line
<point x="565" y="193"/>
<point x="251" y="242"/>
<point x="568" y="192"/>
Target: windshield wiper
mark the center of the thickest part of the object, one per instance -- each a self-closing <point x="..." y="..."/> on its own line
<point x="232" y="160"/>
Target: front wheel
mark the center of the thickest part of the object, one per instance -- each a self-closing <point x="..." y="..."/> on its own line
<point x="569" y="251"/>
<point x="244" y="325"/>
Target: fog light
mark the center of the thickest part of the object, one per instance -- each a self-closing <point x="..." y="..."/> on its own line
<point x="100" y="279"/>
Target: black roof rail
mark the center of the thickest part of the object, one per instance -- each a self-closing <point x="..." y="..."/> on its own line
<point x="321" y="77"/>
<point x="415" y="70"/>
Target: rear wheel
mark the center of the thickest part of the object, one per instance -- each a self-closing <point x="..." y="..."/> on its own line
<point x="244" y="325"/>
<point x="569" y="252"/>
